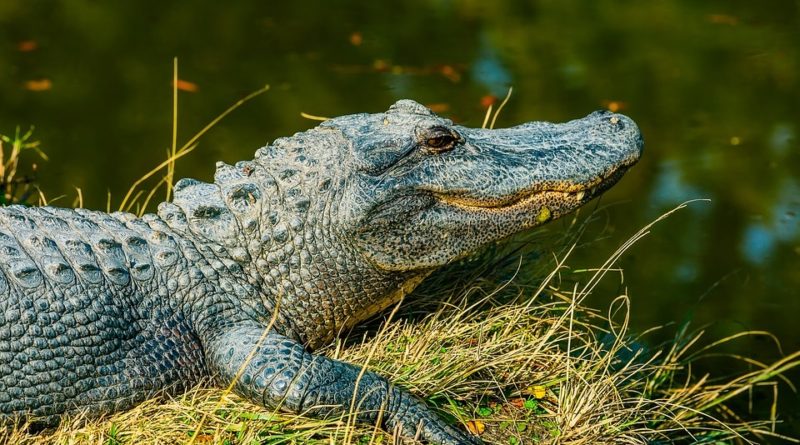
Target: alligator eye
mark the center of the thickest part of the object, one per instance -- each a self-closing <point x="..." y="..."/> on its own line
<point x="440" y="140"/>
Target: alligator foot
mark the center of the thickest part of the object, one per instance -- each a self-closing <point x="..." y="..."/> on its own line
<point x="281" y="373"/>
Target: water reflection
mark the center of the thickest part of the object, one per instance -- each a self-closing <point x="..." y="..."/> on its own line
<point x="782" y="138"/>
<point x="671" y="189"/>
<point x="758" y="244"/>
<point x="488" y="69"/>
<point x="776" y="229"/>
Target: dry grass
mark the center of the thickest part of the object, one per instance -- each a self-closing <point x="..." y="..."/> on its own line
<point x="137" y="200"/>
<point x="521" y="364"/>
<point x="517" y="361"/>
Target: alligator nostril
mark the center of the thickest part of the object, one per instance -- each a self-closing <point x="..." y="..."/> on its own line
<point x="617" y="122"/>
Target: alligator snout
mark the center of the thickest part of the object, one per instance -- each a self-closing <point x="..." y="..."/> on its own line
<point x="621" y="127"/>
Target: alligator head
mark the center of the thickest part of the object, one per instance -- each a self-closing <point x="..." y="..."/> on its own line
<point x="407" y="189"/>
<point x="355" y="212"/>
<point x="424" y="191"/>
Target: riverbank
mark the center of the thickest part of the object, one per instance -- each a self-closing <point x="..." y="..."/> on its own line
<point x="513" y="361"/>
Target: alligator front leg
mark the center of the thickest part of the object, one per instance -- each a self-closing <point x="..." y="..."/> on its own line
<point x="282" y="374"/>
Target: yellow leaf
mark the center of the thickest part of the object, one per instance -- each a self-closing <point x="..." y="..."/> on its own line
<point x="185" y="85"/>
<point x="476" y="427"/>
<point x="537" y="391"/>
<point x="38" y="85"/>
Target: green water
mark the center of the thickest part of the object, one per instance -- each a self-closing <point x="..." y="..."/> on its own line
<point x="714" y="86"/>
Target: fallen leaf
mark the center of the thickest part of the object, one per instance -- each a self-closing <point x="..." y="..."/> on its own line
<point x="185" y="85"/>
<point x="488" y="100"/>
<point x="38" y="84"/>
<point x="537" y="391"/>
<point x="614" y="106"/>
<point x="27" y="46"/>
<point x="438" y="107"/>
<point x="723" y="19"/>
<point x="476" y="427"/>
<point x="519" y="402"/>
<point x="450" y="73"/>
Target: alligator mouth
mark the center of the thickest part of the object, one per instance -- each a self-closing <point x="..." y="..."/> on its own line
<point x="567" y="193"/>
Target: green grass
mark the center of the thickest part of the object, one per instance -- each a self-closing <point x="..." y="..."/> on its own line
<point x="16" y="188"/>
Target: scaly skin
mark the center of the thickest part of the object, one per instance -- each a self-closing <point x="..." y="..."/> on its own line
<point x="99" y="312"/>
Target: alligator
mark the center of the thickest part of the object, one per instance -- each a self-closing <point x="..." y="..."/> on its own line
<point x="240" y="280"/>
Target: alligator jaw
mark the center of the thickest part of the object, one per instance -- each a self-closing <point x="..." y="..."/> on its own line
<point x="570" y="195"/>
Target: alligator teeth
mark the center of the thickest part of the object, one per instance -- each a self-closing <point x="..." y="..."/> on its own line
<point x="592" y="190"/>
<point x="580" y="195"/>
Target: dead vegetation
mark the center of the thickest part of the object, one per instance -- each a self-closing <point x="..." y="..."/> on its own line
<point x="516" y="364"/>
<point x="513" y="361"/>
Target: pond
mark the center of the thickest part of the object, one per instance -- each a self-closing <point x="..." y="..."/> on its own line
<point x="714" y="86"/>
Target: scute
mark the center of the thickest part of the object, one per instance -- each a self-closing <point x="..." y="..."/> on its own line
<point x="410" y="107"/>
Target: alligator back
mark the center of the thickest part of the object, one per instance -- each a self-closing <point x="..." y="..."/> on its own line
<point x="84" y="319"/>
